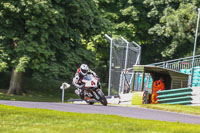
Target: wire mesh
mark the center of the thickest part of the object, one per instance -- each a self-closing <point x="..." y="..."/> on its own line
<point x="123" y="56"/>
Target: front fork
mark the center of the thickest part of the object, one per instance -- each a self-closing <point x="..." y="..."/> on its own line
<point x="95" y="94"/>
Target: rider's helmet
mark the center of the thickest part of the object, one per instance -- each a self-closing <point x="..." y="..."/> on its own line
<point x="84" y="69"/>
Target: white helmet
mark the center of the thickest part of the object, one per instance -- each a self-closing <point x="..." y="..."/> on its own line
<point x="84" y="69"/>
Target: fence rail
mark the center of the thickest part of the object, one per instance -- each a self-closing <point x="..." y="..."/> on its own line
<point x="178" y="64"/>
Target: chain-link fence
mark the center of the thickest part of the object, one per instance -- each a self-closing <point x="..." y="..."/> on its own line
<point x="123" y="55"/>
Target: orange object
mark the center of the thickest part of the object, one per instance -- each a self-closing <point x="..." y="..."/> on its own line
<point x="157" y="85"/>
<point x="154" y="98"/>
<point x="88" y="98"/>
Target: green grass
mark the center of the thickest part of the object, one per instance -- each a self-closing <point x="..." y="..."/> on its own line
<point x="175" y="108"/>
<point x="36" y="97"/>
<point x="26" y="120"/>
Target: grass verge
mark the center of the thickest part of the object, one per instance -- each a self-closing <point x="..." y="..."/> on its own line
<point x="35" y="97"/>
<point x="175" y="108"/>
<point x="26" y="120"/>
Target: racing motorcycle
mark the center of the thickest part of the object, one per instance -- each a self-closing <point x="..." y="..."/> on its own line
<point x="92" y="90"/>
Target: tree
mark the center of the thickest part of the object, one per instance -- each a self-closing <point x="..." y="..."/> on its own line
<point x="44" y="37"/>
<point x="164" y="29"/>
<point x="129" y="19"/>
<point x="3" y="64"/>
<point x="174" y="27"/>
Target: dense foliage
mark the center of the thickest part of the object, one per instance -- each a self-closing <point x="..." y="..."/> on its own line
<point x="46" y="36"/>
<point x="164" y="28"/>
<point x="175" y="26"/>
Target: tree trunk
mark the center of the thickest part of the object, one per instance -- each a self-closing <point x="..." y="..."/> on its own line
<point x="15" y="83"/>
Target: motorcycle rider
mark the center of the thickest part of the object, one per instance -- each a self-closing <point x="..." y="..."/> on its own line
<point x="79" y="75"/>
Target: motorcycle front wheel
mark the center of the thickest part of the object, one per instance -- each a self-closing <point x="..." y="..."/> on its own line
<point x="102" y="99"/>
<point x="90" y="103"/>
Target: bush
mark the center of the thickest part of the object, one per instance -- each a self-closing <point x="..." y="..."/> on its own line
<point x="4" y="80"/>
<point x="47" y="86"/>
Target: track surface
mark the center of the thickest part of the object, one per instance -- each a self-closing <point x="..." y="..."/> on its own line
<point x="133" y="112"/>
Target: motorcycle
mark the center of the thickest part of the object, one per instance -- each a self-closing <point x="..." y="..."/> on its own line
<point x="92" y="90"/>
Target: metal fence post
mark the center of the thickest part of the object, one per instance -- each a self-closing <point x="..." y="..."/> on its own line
<point x="139" y="54"/>
<point x="63" y="87"/>
<point x="110" y="67"/>
<point x="125" y="64"/>
<point x="63" y="92"/>
<point x="194" y="51"/>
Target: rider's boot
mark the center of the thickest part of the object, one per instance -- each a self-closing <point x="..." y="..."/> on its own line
<point x="82" y="95"/>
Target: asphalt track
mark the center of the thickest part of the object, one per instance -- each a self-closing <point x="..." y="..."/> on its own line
<point x="133" y="112"/>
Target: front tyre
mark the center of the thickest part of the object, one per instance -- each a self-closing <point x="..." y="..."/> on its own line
<point x="102" y="99"/>
<point x="90" y="103"/>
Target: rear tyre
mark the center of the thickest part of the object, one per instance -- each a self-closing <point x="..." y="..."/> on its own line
<point x="102" y="99"/>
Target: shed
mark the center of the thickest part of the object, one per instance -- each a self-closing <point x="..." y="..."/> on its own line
<point x="172" y="79"/>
